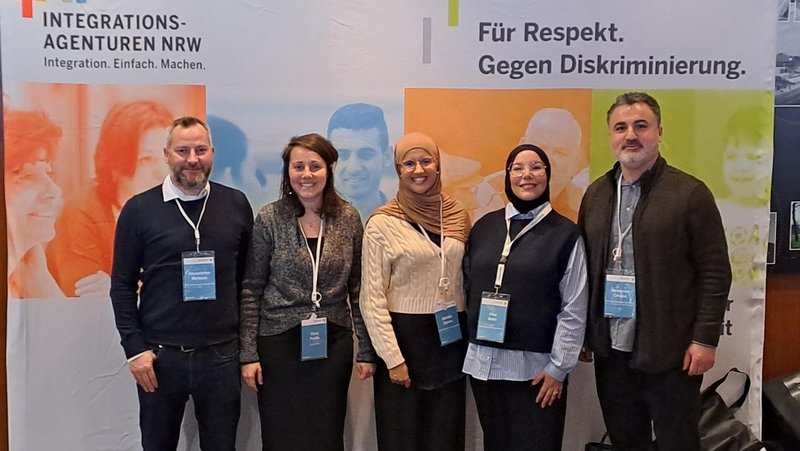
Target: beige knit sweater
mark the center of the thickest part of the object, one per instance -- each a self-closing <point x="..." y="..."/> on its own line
<point x="400" y="273"/>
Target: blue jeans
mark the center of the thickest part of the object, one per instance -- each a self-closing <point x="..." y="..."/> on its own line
<point x="211" y="376"/>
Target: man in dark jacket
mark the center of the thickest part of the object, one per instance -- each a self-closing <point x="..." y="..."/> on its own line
<point x="659" y="277"/>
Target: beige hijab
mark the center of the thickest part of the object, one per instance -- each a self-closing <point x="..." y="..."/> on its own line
<point x="424" y="209"/>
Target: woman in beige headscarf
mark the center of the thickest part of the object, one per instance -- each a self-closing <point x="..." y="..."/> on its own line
<point x="411" y="269"/>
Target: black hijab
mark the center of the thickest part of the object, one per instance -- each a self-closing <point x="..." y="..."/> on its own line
<point x="524" y="206"/>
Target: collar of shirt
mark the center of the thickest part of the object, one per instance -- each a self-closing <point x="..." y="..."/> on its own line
<point x="638" y="181"/>
<point x="169" y="191"/>
<point x="514" y="214"/>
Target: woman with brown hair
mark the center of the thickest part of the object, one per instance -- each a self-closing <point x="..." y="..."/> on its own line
<point x="300" y="288"/>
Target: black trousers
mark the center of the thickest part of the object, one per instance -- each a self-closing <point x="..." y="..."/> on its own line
<point x="511" y="419"/>
<point x="302" y="405"/>
<point x="631" y="400"/>
<point x="412" y="419"/>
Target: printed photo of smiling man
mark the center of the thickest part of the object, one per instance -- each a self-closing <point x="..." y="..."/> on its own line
<point x="359" y="133"/>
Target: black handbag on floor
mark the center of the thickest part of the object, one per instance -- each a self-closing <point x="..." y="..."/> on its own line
<point x="719" y="429"/>
<point x="599" y="446"/>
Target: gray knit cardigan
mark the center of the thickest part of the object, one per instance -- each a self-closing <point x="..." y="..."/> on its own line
<point x="276" y="291"/>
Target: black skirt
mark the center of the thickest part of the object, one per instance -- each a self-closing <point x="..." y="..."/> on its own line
<point x="430" y="365"/>
<point x="302" y="405"/>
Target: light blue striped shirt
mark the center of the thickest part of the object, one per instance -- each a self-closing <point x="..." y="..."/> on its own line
<point x="623" y="330"/>
<point x="485" y="363"/>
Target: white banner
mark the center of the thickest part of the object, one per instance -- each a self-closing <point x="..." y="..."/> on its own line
<point x="478" y="76"/>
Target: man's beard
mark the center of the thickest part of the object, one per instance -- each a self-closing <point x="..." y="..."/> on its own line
<point x="185" y="182"/>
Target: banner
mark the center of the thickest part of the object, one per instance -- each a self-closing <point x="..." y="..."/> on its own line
<point x="88" y="86"/>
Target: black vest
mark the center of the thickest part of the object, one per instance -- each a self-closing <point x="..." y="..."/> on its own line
<point x="533" y="271"/>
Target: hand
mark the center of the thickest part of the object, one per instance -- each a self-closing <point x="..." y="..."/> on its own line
<point x="142" y="369"/>
<point x="550" y="390"/>
<point x="586" y="355"/>
<point x="35" y="280"/>
<point x="399" y="375"/>
<point x="698" y="359"/>
<point x="252" y="376"/>
<point x="365" y="370"/>
<point x="97" y="284"/>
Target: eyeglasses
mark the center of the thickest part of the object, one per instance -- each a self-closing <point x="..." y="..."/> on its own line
<point x="411" y="165"/>
<point x="518" y="170"/>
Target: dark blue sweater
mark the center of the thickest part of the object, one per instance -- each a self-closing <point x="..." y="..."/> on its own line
<point x="150" y="237"/>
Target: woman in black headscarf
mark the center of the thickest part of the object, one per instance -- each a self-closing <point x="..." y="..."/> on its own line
<point x="525" y="280"/>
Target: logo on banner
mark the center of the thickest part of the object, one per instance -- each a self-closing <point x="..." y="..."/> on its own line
<point x="27" y="6"/>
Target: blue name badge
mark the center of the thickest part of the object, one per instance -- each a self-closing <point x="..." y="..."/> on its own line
<point x="447" y="323"/>
<point x="199" y="276"/>
<point x="492" y="317"/>
<point x="314" y="338"/>
<point x="620" y="296"/>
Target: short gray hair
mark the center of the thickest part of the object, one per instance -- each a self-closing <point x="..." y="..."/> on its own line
<point x="186" y="122"/>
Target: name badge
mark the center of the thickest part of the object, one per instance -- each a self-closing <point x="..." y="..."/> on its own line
<point x="199" y="276"/>
<point x="620" y="296"/>
<point x="314" y="338"/>
<point x="492" y="316"/>
<point x="447" y="323"/>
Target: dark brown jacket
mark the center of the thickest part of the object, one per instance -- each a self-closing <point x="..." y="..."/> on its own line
<point x="682" y="269"/>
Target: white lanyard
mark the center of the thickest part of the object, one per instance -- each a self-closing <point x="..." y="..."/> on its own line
<point x="195" y="227"/>
<point x="501" y="266"/>
<point x="316" y="296"/>
<point x="617" y="252"/>
<point x="444" y="282"/>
